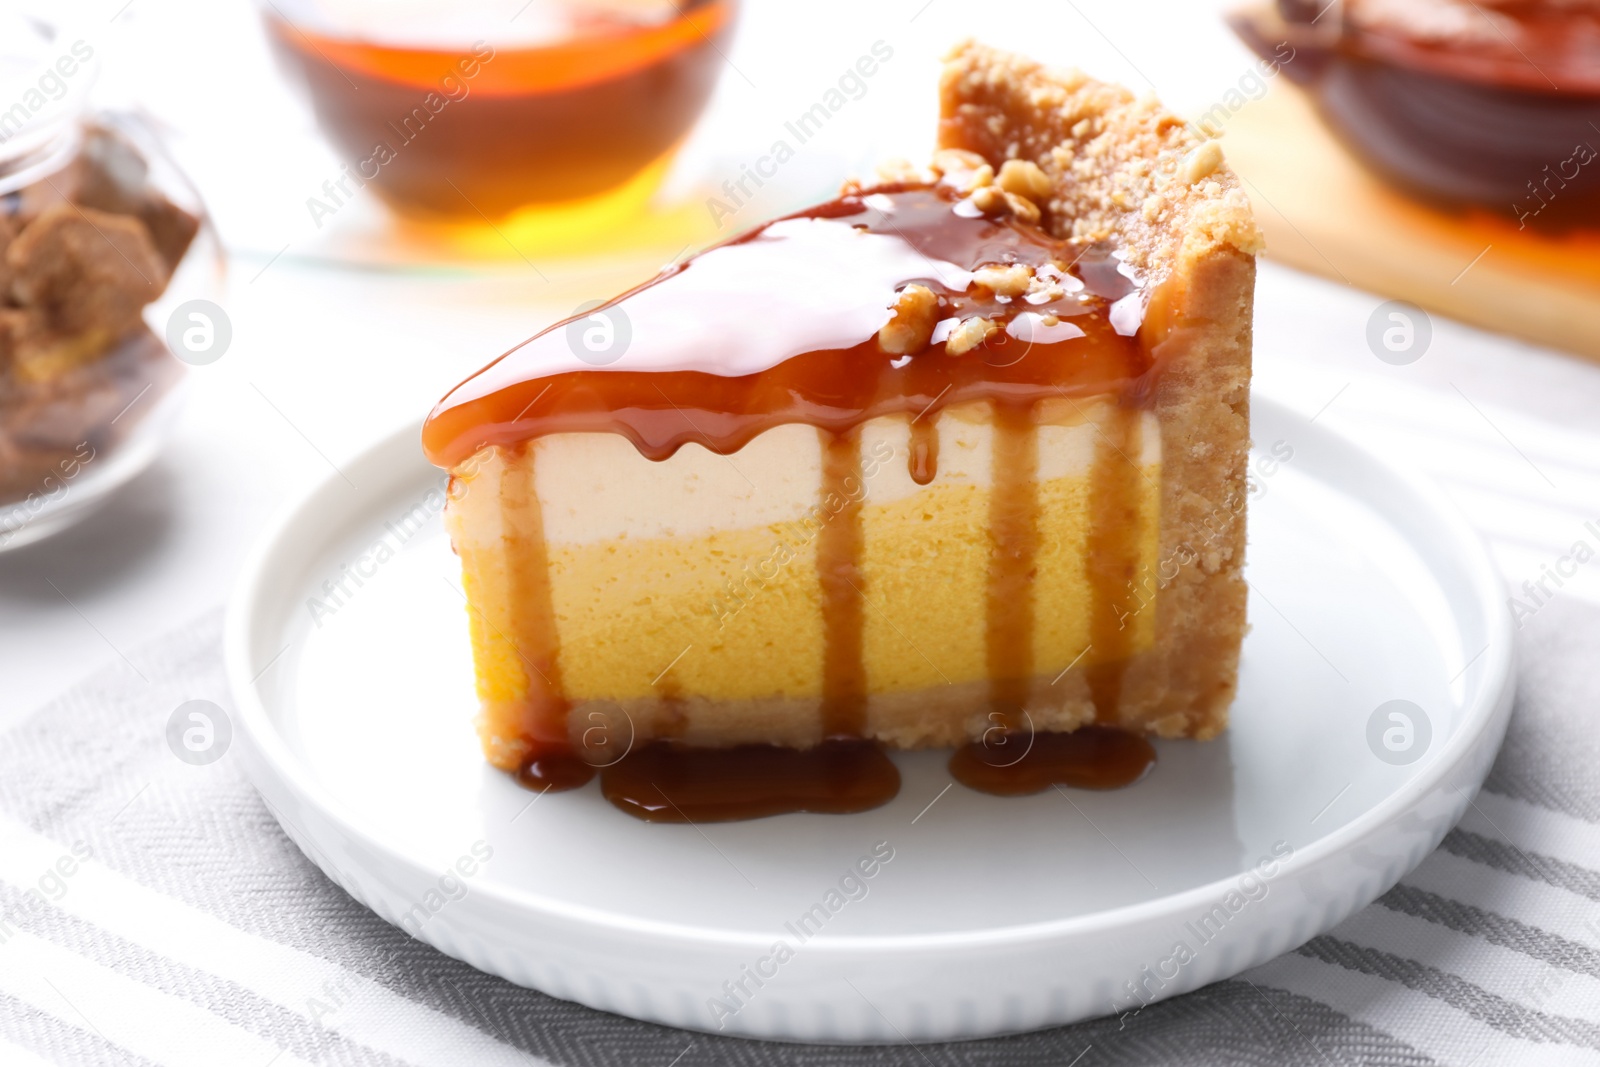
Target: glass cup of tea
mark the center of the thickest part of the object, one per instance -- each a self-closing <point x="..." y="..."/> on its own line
<point x="474" y="109"/>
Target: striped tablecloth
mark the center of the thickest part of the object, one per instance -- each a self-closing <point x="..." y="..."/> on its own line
<point x="151" y="912"/>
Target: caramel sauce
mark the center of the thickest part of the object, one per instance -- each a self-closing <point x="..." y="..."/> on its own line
<point x="667" y="782"/>
<point x="923" y="461"/>
<point x="1014" y="528"/>
<point x="844" y="672"/>
<point x="780" y="326"/>
<point x="555" y="771"/>
<point x="544" y="725"/>
<point x="1114" y="539"/>
<point x="482" y="129"/>
<point x="674" y="719"/>
<point x="1091" y="757"/>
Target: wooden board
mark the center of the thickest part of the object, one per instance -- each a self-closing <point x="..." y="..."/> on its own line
<point x="1323" y="212"/>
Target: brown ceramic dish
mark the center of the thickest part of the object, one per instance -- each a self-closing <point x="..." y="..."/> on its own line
<point x="1491" y="103"/>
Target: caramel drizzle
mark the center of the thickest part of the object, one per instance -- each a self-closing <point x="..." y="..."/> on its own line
<point x="839" y="548"/>
<point x="1014" y="533"/>
<point x="923" y="462"/>
<point x="674" y="718"/>
<point x="659" y="399"/>
<point x="533" y="623"/>
<point x="1115" y="540"/>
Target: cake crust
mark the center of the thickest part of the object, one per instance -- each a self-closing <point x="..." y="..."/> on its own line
<point x="1126" y="172"/>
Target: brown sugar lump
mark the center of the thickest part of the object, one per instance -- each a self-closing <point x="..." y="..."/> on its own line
<point x="85" y="270"/>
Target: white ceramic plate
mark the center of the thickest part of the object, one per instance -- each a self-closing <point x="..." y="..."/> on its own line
<point x="993" y="914"/>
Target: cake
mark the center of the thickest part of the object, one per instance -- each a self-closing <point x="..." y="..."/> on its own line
<point x="956" y="456"/>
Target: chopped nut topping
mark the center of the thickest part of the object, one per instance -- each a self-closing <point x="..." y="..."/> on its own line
<point x="969" y="335"/>
<point x="980" y="178"/>
<point x="1200" y="163"/>
<point x="1024" y="178"/>
<point x="962" y="170"/>
<point x="1049" y="320"/>
<point x="951" y="160"/>
<point x="1023" y="208"/>
<point x="902" y="172"/>
<point x="1045" y="276"/>
<point x="1049" y="284"/>
<point x="915" y="312"/>
<point x="1005" y="281"/>
<point x="991" y="200"/>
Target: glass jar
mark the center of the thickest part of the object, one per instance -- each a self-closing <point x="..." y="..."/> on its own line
<point x="101" y="238"/>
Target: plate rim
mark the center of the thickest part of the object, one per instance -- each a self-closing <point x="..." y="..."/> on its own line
<point x="1489" y="711"/>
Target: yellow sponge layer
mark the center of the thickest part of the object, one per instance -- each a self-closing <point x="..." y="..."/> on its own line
<point x="738" y="614"/>
<point x="735" y="614"/>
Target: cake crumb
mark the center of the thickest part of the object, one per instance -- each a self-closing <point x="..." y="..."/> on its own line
<point x="1201" y="163"/>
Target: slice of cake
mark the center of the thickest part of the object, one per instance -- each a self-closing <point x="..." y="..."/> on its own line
<point x="956" y="456"/>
